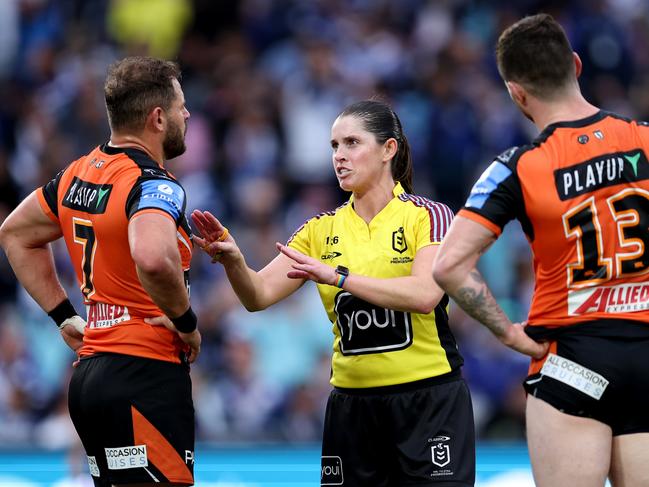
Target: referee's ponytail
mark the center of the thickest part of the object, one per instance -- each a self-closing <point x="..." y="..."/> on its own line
<point x="379" y="118"/>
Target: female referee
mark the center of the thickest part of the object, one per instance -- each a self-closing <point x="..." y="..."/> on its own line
<point x="399" y="413"/>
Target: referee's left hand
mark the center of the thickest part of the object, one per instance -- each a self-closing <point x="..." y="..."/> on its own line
<point x="305" y="267"/>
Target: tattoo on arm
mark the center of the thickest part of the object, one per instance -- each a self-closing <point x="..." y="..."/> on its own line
<point x="476" y="299"/>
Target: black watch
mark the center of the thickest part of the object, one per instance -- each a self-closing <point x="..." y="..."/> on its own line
<point x="342" y="270"/>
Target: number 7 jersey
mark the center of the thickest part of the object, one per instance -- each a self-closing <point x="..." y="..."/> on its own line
<point x="581" y="193"/>
<point x="93" y="200"/>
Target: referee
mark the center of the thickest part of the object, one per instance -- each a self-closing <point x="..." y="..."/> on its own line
<point x="400" y="412"/>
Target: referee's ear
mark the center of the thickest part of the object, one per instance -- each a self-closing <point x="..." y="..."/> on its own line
<point x="390" y="148"/>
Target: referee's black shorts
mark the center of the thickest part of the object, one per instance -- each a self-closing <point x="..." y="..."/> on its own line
<point x="421" y="433"/>
<point x="135" y="418"/>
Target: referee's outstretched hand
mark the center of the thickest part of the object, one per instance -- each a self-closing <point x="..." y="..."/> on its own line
<point x="305" y="267"/>
<point x="214" y="239"/>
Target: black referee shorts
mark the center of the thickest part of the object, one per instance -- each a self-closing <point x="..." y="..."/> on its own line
<point x="135" y="418"/>
<point x="420" y="433"/>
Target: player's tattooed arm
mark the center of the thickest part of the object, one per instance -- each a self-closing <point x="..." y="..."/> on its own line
<point x="477" y="301"/>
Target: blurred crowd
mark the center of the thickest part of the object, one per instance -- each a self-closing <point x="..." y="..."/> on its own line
<point x="264" y="80"/>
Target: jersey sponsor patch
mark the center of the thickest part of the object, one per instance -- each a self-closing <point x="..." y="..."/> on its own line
<point x="162" y="194"/>
<point x="126" y="457"/>
<point x="571" y="373"/>
<point x="366" y="328"/>
<point x="87" y="197"/>
<point x="93" y="467"/>
<point x="623" y="298"/>
<point x="600" y="172"/>
<point x="104" y="315"/>
<point x="495" y="174"/>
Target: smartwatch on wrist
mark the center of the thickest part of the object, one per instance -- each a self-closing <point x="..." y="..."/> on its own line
<point x="342" y="272"/>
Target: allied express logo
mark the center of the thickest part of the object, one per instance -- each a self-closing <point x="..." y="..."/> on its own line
<point x="399" y="243"/>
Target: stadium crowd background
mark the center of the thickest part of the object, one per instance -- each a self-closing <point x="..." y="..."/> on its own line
<point x="263" y="80"/>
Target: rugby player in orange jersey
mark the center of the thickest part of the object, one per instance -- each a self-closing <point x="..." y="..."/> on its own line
<point x="122" y="216"/>
<point x="581" y="193"/>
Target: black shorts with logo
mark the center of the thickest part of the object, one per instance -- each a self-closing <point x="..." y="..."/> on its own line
<point x="135" y="418"/>
<point x="597" y="370"/>
<point x="420" y="433"/>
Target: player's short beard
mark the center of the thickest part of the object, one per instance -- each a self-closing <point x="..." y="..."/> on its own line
<point x="173" y="144"/>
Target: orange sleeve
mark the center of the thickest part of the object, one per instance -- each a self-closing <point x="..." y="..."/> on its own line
<point x="152" y="210"/>
<point x="45" y="207"/>
<point x="481" y="220"/>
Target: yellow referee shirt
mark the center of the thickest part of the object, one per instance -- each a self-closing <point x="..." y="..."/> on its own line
<point x="375" y="346"/>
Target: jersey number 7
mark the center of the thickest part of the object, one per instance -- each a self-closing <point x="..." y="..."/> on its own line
<point x="84" y="234"/>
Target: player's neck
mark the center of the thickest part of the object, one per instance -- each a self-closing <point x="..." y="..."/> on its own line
<point x="135" y="142"/>
<point x="565" y="109"/>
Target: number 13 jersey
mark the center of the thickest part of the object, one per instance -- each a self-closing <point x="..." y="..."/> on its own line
<point x="581" y="193"/>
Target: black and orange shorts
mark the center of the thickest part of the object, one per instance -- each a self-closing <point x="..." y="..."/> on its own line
<point x="135" y="418"/>
<point x="597" y="370"/>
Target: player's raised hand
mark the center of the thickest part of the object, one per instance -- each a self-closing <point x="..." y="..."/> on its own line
<point x="305" y="267"/>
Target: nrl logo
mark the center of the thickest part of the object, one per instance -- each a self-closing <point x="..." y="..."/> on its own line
<point x="399" y="243"/>
<point x="441" y="452"/>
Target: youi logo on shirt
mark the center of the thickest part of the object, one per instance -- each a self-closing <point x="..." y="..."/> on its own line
<point x="366" y="328"/>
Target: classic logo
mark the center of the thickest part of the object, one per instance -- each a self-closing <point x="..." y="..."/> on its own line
<point x="399" y="240"/>
<point x="331" y="471"/>
<point x="600" y="172"/>
<point x="366" y="328"/>
<point x="87" y="197"/>
<point x="330" y="255"/>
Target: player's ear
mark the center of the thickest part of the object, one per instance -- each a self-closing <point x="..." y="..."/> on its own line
<point x="578" y="64"/>
<point x="157" y="119"/>
<point x="517" y="93"/>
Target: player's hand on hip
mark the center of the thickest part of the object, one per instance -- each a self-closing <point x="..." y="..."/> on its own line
<point x="193" y="339"/>
<point x="517" y="339"/>
<point x="72" y="331"/>
<point x="215" y="240"/>
<point x="305" y="267"/>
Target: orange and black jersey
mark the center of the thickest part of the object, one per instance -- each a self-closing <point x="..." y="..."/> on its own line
<point x="581" y="193"/>
<point x="93" y="200"/>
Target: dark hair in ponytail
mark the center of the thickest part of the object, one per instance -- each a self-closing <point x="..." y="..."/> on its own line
<point x="379" y="119"/>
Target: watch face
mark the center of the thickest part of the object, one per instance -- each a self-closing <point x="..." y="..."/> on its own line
<point x="342" y="270"/>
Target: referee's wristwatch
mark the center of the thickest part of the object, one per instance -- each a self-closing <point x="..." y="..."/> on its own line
<point x="343" y="273"/>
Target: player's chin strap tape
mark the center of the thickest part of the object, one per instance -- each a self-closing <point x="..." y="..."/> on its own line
<point x="186" y="322"/>
<point x="62" y="312"/>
